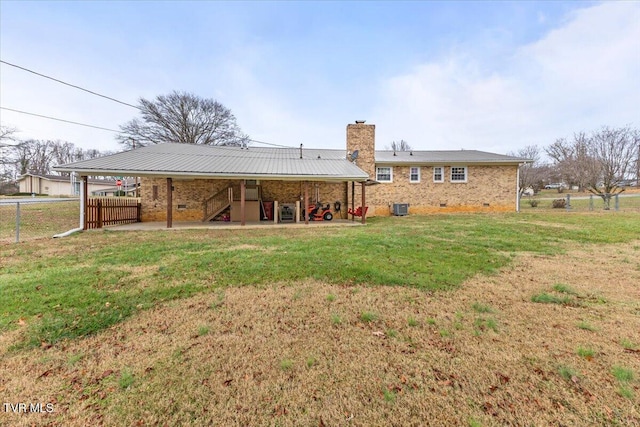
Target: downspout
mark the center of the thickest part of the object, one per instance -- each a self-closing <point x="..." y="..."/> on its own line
<point x="518" y="189"/>
<point x="82" y="213"/>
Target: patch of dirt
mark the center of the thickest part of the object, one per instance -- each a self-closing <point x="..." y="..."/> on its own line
<point x="302" y="355"/>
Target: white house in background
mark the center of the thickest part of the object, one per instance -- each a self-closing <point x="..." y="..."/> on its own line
<point x="56" y="185"/>
<point x="127" y="188"/>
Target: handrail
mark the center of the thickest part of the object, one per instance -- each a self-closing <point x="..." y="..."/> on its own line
<point x="217" y="203"/>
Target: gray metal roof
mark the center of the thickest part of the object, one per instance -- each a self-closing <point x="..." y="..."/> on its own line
<point x="206" y="161"/>
<point x="60" y="178"/>
<point x="445" y="157"/>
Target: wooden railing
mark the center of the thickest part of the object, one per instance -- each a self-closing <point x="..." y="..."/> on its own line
<point x="111" y="210"/>
<point x="217" y="203"/>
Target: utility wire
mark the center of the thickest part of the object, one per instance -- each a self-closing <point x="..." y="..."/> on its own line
<point x="69" y="84"/>
<point x="112" y="130"/>
<point x="97" y="94"/>
<point x="60" y="120"/>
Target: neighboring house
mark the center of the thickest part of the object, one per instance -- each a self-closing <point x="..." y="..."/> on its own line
<point x="56" y="185"/>
<point x="128" y="189"/>
<point x="204" y="178"/>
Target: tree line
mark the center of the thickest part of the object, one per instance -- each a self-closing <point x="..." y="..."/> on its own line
<point x="178" y="117"/>
<point x="599" y="162"/>
<point x="18" y="156"/>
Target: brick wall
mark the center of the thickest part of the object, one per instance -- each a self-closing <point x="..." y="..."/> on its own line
<point x="189" y="195"/>
<point x="362" y="137"/>
<point x="488" y="188"/>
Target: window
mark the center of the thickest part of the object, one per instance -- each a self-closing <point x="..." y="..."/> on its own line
<point x="438" y="175"/>
<point x="458" y="174"/>
<point x="384" y="174"/>
<point x="414" y="174"/>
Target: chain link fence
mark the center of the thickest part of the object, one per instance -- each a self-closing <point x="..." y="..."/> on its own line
<point x="591" y="203"/>
<point x="32" y="218"/>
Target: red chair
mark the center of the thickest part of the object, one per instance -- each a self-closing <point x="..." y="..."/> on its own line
<point x="358" y="211"/>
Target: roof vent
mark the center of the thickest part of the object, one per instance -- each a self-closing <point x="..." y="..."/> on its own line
<point x="360" y="122"/>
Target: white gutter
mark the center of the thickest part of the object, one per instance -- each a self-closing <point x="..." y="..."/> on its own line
<point x="227" y="175"/>
<point x="82" y="213"/>
<point x="67" y="233"/>
<point x="518" y="189"/>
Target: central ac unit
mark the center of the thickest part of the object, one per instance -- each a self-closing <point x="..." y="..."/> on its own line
<point x="401" y="209"/>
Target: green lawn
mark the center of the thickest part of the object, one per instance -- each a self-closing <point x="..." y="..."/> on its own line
<point x="38" y="220"/>
<point x="85" y="283"/>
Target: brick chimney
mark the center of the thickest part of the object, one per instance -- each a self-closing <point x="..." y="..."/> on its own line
<point x="362" y="137"/>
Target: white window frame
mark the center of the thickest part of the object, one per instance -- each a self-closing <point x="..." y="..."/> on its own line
<point x="459" y="181"/>
<point x="411" y="180"/>
<point x="441" y="174"/>
<point x="390" y="174"/>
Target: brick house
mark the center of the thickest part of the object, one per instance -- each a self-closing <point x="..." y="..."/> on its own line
<point x="435" y="181"/>
<point x="185" y="182"/>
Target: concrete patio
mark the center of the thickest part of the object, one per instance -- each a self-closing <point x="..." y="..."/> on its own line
<point x="221" y="225"/>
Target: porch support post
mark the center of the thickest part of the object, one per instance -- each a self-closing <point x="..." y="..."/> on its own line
<point x="364" y="215"/>
<point x="243" y="195"/>
<point x="306" y="202"/>
<point x="84" y="202"/>
<point x="353" y="199"/>
<point x="169" y="202"/>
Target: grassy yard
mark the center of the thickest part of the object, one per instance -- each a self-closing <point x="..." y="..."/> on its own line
<point x="464" y="319"/>
<point x="38" y="220"/>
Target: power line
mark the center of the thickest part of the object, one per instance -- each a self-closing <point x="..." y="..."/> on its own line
<point x="97" y="94"/>
<point x="112" y="130"/>
<point x="60" y="120"/>
<point x="69" y="84"/>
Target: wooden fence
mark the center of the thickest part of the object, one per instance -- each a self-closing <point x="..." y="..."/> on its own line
<point x="111" y="210"/>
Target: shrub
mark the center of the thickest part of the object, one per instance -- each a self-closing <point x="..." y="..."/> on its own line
<point x="559" y="204"/>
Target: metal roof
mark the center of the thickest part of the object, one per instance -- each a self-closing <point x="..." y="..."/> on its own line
<point x="206" y="161"/>
<point x="60" y="178"/>
<point x="445" y="157"/>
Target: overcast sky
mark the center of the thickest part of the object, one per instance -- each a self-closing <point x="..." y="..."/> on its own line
<point x="493" y="76"/>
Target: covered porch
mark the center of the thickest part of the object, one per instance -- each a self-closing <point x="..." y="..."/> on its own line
<point x="245" y="209"/>
<point x="178" y="180"/>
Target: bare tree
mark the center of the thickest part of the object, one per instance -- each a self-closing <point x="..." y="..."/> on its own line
<point x="401" y="145"/>
<point x="66" y="152"/>
<point x="38" y="156"/>
<point x="7" y="134"/>
<point x="33" y="156"/>
<point x="532" y="173"/>
<point x="7" y="141"/>
<point x="613" y="153"/>
<point x="598" y="162"/>
<point x="183" y="118"/>
<point x="572" y="160"/>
